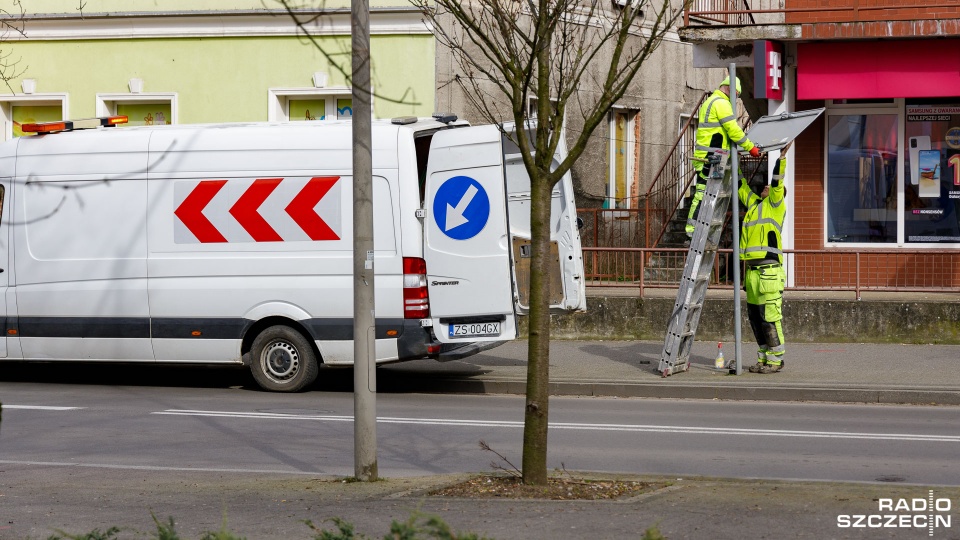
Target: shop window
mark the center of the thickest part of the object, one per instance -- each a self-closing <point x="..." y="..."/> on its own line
<point x="305" y="104"/>
<point x="931" y="212"/>
<point x="861" y="180"/>
<point x="154" y="109"/>
<point x="19" y="110"/>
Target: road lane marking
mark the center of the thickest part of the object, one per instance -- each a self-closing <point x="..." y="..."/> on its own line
<point x="41" y="408"/>
<point x="157" y="468"/>
<point x="694" y="430"/>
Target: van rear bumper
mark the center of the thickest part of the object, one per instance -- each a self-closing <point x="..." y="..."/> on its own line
<point x="413" y="343"/>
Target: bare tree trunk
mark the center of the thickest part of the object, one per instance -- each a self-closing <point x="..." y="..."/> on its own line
<point x="538" y="353"/>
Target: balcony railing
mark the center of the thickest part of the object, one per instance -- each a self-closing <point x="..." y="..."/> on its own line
<point x="809" y="270"/>
<point x="761" y="12"/>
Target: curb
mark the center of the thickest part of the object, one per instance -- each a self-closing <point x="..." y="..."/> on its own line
<point x="744" y="392"/>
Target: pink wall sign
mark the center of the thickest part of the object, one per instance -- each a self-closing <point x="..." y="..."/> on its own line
<point x="878" y="69"/>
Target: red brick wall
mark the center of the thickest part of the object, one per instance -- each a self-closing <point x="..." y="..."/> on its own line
<point x="841" y="11"/>
<point x="808" y="183"/>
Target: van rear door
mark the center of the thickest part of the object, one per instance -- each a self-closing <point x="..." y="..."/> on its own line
<point x="566" y="282"/>
<point x="466" y="237"/>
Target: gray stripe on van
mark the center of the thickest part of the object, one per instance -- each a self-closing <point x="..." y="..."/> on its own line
<point x="333" y="329"/>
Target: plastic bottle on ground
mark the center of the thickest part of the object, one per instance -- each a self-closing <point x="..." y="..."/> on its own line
<point x="720" y="361"/>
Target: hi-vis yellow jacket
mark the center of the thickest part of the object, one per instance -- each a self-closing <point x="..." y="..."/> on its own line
<point x="763" y="222"/>
<point x="716" y="116"/>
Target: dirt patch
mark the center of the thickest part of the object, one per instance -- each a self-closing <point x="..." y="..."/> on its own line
<point x="559" y="489"/>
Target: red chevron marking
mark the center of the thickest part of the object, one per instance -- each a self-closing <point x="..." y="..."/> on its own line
<point x="302" y="212"/>
<point x="191" y="215"/>
<point x="246" y="214"/>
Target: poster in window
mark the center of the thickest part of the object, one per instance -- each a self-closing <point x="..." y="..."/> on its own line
<point x="145" y="114"/>
<point x="929" y="167"/>
<point x="344" y="109"/>
<point x="28" y="114"/>
<point x="307" y="109"/>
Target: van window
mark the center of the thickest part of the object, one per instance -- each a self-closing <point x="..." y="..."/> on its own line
<point x="422" y="145"/>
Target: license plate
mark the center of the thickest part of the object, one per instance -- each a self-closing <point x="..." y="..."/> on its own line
<point x="481" y="329"/>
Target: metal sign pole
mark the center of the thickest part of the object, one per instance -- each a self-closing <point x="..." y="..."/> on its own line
<point x="364" y="319"/>
<point x="735" y="221"/>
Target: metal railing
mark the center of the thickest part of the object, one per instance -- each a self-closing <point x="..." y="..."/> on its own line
<point x="809" y="270"/>
<point x="758" y="12"/>
<point x="671" y="182"/>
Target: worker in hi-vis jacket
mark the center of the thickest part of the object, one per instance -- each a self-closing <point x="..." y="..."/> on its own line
<point x="716" y="128"/>
<point x="761" y="250"/>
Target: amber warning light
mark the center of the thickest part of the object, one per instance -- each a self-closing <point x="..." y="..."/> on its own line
<point x="70" y="125"/>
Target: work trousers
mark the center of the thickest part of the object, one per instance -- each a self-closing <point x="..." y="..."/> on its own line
<point x="695" y="204"/>
<point x="764" y="285"/>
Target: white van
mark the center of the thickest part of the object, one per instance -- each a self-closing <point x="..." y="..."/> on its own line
<point x="220" y="244"/>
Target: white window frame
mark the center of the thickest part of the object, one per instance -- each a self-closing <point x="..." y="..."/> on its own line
<point x="896" y="108"/>
<point x="8" y="101"/>
<point x="107" y="103"/>
<point x="278" y="101"/>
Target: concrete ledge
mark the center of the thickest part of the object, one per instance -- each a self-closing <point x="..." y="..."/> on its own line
<point x="806" y="320"/>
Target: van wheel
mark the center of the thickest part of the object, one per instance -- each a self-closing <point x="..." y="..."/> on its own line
<point x="283" y="360"/>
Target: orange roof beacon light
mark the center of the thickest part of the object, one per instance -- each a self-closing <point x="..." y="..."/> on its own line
<point x="70" y="125"/>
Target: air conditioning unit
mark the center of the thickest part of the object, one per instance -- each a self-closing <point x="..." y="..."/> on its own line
<point x="624" y="3"/>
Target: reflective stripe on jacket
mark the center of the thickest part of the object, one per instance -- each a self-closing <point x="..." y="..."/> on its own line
<point x="716" y="116"/>
<point x="763" y="222"/>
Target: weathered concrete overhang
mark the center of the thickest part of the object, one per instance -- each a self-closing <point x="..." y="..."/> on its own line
<point x="734" y="34"/>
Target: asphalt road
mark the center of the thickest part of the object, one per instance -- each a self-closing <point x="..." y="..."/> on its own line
<point x="77" y="455"/>
<point x="234" y="429"/>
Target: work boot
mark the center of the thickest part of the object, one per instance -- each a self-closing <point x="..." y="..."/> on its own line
<point x="771" y="368"/>
<point x="757" y="368"/>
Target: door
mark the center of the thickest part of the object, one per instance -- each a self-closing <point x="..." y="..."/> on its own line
<point x="4" y="264"/>
<point x="466" y="237"/>
<point x="567" y="288"/>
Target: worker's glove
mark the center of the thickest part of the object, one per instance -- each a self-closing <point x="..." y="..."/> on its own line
<point x="755" y="151"/>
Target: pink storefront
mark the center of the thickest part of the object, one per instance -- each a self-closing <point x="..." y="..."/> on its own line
<point x="876" y="179"/>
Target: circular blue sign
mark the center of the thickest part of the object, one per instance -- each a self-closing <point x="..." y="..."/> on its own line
<point x="461" y="208"/>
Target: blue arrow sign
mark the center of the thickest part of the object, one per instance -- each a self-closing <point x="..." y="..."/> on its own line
<point x="461" y="207"/>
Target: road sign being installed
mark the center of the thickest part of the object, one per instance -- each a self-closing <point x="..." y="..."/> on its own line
<point x="775" y="131"/>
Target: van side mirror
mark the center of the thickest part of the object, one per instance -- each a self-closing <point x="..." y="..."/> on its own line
<point x="580" y="223"/>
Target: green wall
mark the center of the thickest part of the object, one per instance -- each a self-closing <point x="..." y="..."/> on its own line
<point x="225" y="79"/>
<point x="114" y="6"/>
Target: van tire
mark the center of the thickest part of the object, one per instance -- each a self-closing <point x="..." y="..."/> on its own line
<point x="282" y="360"/>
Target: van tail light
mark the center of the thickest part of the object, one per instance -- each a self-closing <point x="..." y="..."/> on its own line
<point x="416" y="301"/>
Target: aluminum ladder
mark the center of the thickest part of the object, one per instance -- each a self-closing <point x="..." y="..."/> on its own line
<point x="682" y="328"/>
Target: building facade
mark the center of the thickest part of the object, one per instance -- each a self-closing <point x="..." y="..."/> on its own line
<point x="210" y="61"/>
<point x="206" y="61"/>
<point x="875" y="181"/>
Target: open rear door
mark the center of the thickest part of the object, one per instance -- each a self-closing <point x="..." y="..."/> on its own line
<point x="466" y="237"/>
<point x="567" y="287"/>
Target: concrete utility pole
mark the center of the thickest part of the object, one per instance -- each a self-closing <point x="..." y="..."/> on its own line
<point x="735" y="167"/>
<point x="364" y="319"/>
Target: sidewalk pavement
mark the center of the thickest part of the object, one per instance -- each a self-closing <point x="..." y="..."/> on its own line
<point x="836" y="372"/>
